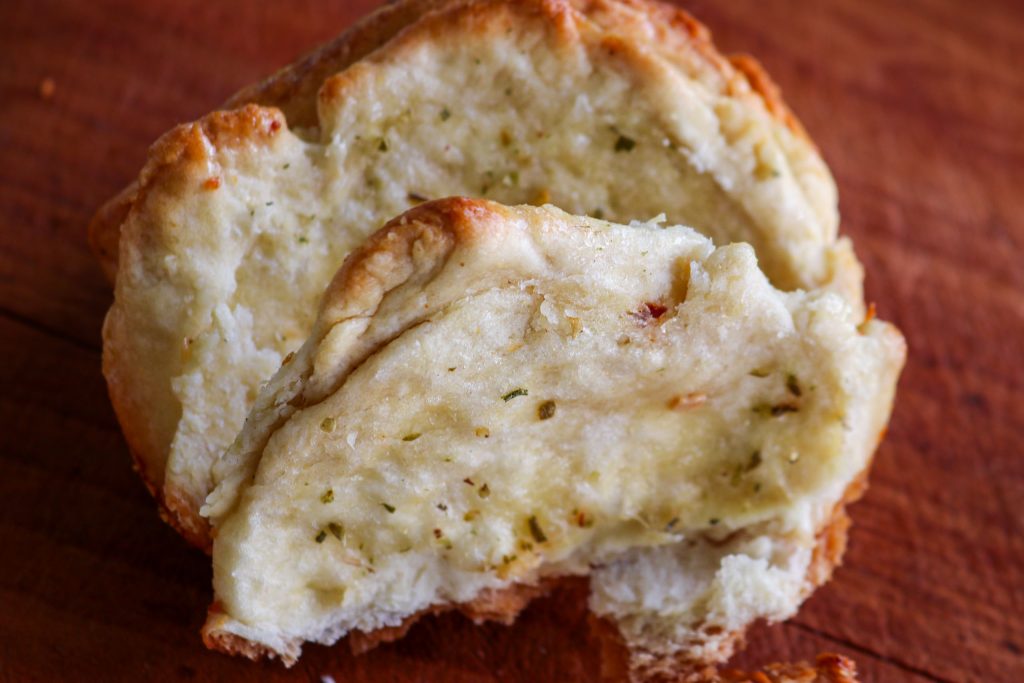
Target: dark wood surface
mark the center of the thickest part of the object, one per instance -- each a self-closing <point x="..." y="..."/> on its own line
<point x="918" y="105"/>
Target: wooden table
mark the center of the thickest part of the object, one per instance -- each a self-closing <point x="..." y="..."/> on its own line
<point x="918" y="106"/>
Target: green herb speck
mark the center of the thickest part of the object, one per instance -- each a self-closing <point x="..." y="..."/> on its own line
<point x="792" y="385"/>
<point x="383" y="146"/>
<point x="713" y="521"/>
<point x="321" y="536"/>
<point x="445" y="114"/>
<point x="759" y="373"/>
<point x="411" y="437"/>
<point x="754" y="462"/>
<point x="514" y="394"/>
<point x="389" y="508"/>
<point x="484" y="491"/>
<point x="328" y="496"/>
<point x="303" y="239"/>
<point x="327" y="424"/>
<point x="624" y="144"/>
<point x="336" y="530"/>
<point x="536" y="531"/>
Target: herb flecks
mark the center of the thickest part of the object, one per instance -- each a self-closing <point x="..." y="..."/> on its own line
<point x="336" y="530"/>
<point x="320" y="536"/>
<point x="415" y="197"/>
<point x="327" y="496"/>
<point x="327" y="424"/>
<point x="713" y="521"/>
<point x="624" y="144"/>
<point x="754" y="462"/>
<point x="383" y="145"/>
<point x="411" y="437"/>
<point x="514" y="394"/>
<point x="793" y="385"/>
<point x="535" y="531"/>
<point x="445" y="114"/>
<point x="546" y="410"/>
<point x="389" y="508"/>
<point x="470" y="515"/>
<point x="484" y="491"/>
<point x="760" y="373"/>
<point x="776" y="410"/>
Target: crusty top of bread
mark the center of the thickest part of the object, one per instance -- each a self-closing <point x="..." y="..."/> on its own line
<point x="615" y="108"/>
<point x="491" y="396"/>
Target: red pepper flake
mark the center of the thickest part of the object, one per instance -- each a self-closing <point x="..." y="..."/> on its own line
<point x="655" y="309"/>
<point x="648" y="311"/>
<point x="868" y="317"/>
<point x="687" y="402"/>
<point x="275" y="126"/>
<point x="211" y="183"/>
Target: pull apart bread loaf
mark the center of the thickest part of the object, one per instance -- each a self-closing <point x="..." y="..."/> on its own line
<point x="492" y="398"/>
<point x="613" y="108"/>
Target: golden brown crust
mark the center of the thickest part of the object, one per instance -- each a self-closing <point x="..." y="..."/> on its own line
<point x="435" y="226"/>
<point x="769" y="92"/>
<point x="502" y="605"/>
<point x="104" y="230"/>
<point x="179" y="510"/>
<point x="293" y="89"/>
<point x="216" y="639"/>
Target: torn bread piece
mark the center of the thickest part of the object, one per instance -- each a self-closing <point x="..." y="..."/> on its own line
<point x="493" y="397"/>
<point x="613" y="108"/>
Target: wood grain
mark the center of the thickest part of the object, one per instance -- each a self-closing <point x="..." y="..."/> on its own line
<point x="917" y="105"/>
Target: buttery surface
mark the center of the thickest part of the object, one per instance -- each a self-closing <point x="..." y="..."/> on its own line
<point x="493" y="395"/>
<point x="913" y="108"/>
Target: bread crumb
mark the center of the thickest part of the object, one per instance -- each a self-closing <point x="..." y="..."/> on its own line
<point x="47" y="87"/>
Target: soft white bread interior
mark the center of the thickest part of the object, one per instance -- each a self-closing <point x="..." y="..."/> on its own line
<point x="493" y="397"/>
<point x="613" y="108"/>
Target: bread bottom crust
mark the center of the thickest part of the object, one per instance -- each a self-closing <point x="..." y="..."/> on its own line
<point x="618" y="661"/>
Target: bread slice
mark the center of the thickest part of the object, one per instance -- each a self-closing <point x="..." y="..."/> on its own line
<point x="492" y="398"/>
<point x="614" y="108"/>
